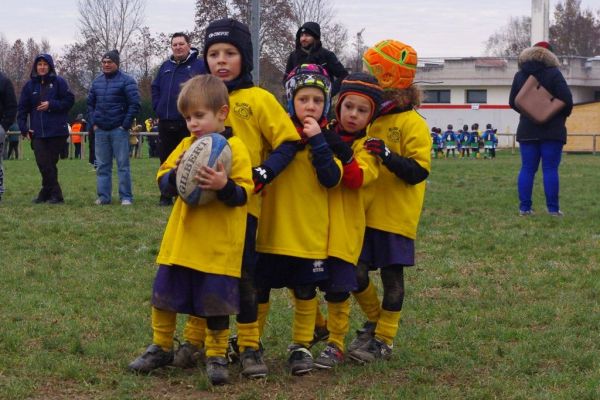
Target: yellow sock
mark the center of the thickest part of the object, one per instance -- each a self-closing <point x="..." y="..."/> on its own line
<point x="368" y="302"/>
<point x="263" y="312"/>
<point x="164" y="324"/>
<point x="321" y="320"/>
<point x="247" y="335"/>
<point x="195" y="331"/>
<point x="337" y="324"/>
<point x="387" y="326"/>
<point x="305" y="313"/>
<point x="216" y="343"/>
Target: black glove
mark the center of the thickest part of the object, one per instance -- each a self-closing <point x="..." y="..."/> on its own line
<point x="341" y="149"/>
<point x="262" y="175"/>
<point x="377" y="147"/>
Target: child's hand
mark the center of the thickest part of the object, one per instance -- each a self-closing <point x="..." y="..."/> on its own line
<point x="209" y="178"/>
<point x="311" y="127"/>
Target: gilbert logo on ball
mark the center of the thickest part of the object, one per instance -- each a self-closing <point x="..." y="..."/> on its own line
<point x="393" y="63"/>
<point x="206" y="150"/>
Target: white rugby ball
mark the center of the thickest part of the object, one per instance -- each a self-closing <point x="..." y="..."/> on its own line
<point x="206" y="150"/>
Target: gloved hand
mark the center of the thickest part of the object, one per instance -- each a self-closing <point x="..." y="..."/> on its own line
<point x="341" y="149"/>
<point x="262" y="176"/>
<point x="377" y="147"/>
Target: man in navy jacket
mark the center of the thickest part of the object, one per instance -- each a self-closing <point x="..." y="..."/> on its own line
<point x="181" y="66"/>
<point x="113" y="102"/>
<point x="8" y="111"/>
<point x="43" y="113"/>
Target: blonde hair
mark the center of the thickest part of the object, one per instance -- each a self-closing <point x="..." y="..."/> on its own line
<point x="202" y="91"/>
<point x="411" y="96"/>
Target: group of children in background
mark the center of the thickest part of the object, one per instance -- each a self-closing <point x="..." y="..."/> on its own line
<point x="309" y="204"/>
<point x="465" y="143"/>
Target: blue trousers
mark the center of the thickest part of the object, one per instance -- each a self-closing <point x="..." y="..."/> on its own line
<point x="550" y="152"/>
<point x="109" y="144"/>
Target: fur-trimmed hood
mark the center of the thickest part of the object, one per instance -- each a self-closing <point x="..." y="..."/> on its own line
<point x="538" y="54"/>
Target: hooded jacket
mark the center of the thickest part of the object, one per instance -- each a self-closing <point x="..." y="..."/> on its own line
<point x="167" y="84"/>
<point x="8" y="102"/>
<point x="113" y="101"/>
<point x="51" y="88"/>
<point x="316" y="54"/>
<point x="542" y="64"/>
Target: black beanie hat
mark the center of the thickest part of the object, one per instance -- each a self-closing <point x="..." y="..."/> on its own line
<point x="312" y="28"/>
<point x="229" y="30"/>
<point x="361" y="84"/>
<point x="112" y="55"/>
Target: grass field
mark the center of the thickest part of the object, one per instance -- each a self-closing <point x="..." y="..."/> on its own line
<point x="499" y="306"/>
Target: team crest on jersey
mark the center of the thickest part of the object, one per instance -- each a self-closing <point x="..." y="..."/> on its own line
<point x="242" y="110"/>
<point x="394" y="134"/>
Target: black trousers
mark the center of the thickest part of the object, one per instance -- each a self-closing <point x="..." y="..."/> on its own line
<point x="47" y="152"/>
<point x="13" y="148"/>
<point x="170" y="134"/>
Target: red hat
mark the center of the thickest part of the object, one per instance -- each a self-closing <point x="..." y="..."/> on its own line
<point x="545" y="45"/>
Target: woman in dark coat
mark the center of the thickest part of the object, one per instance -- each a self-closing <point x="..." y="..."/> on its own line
<point x="541" y="141"/>
<point x="46" y="99"/>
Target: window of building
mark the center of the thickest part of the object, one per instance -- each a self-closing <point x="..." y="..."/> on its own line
<point x="436" y="96"/>
<point x="597" y="95"/>
<point x="476" y="96"/>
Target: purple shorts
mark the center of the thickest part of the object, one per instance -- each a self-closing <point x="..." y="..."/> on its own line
<point x="187" y="291"/>
<point x="276" y="271"/>
<point x="381" y="249"/>
<point x="342" y="277"/>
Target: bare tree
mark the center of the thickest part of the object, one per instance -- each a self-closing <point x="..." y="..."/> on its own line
<point x="576" y="32"/>
<point x="111" y="23"/>
<point x="207" y="11"/>
<point x="511" y="39"/>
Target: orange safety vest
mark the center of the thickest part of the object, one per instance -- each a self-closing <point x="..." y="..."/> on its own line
<point x="76" y="127"/>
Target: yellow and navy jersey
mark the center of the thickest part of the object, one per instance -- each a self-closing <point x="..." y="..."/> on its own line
<point x="208" y="238"/>
<point x="295" y="217"/>
<point x="396" y="205"/>
<point x="263" y="125"/>
<point x="347" y="208"/>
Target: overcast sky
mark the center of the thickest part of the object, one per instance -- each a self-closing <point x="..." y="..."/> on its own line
<point x="435" y="28"/>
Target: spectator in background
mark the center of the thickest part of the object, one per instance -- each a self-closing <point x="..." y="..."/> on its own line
<point x="309" y="50"/>
<point x="43" y="113"/>
<point x="13" y="143"/>
<point x="181" y="66"/>
<point x="113" y="102"/>
<point x="541" y="141"/>
<point x="153" y="141"/>
<point x="8" y="112"/>
<point x="79" y="125"/>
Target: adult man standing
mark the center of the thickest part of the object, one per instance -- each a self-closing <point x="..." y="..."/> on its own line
<point x="309" y="50"/>
<point x="113" y="101"/>
<point x="8" y="112"/>
<point x="180" y="67"/>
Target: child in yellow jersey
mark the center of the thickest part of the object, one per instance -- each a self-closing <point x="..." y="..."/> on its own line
<point x="293" y="228"/>
<point x="258" y="119"/>
<point x="200" y="255"/>
<point x="358" y="101"/>
<point x="400" y="139"/>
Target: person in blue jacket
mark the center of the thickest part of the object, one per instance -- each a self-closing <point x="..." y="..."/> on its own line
<point x="183" y="64"/>
<point x="113" y="102"/>
<point x="43" y="111"/>
<point x="541" y="142"/>
<point x="490" y="142"/>
<point x="450" y="141"/>
<point x="8" y="112"/>
<point x="464" y="140"/>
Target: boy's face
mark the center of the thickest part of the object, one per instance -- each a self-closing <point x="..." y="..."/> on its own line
<point x="306" y="40"/>
<point x="224" y="61"/>
<point x="201" y="120"/>
<point x="309" y="102"/>
<point x="355" y="113"/>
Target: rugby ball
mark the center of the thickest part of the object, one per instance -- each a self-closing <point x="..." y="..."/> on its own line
<point x="206" y="150"/>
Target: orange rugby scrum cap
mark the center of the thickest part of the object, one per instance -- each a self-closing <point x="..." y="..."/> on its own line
<point x="393" y="63"/>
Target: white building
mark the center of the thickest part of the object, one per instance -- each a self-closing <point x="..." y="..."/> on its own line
<point x="461" y="91"/>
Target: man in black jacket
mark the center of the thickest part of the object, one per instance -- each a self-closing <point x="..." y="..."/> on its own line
<point x="309" y="50"/>
<point x="8" y="112"/>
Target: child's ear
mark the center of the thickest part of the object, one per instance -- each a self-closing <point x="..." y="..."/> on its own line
<point x="223" y="112"/>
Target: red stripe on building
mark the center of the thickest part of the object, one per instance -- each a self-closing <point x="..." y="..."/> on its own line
<point x="465" y="106"/>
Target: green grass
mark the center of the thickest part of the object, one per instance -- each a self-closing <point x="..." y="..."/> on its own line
<point x="498" y="306"/>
